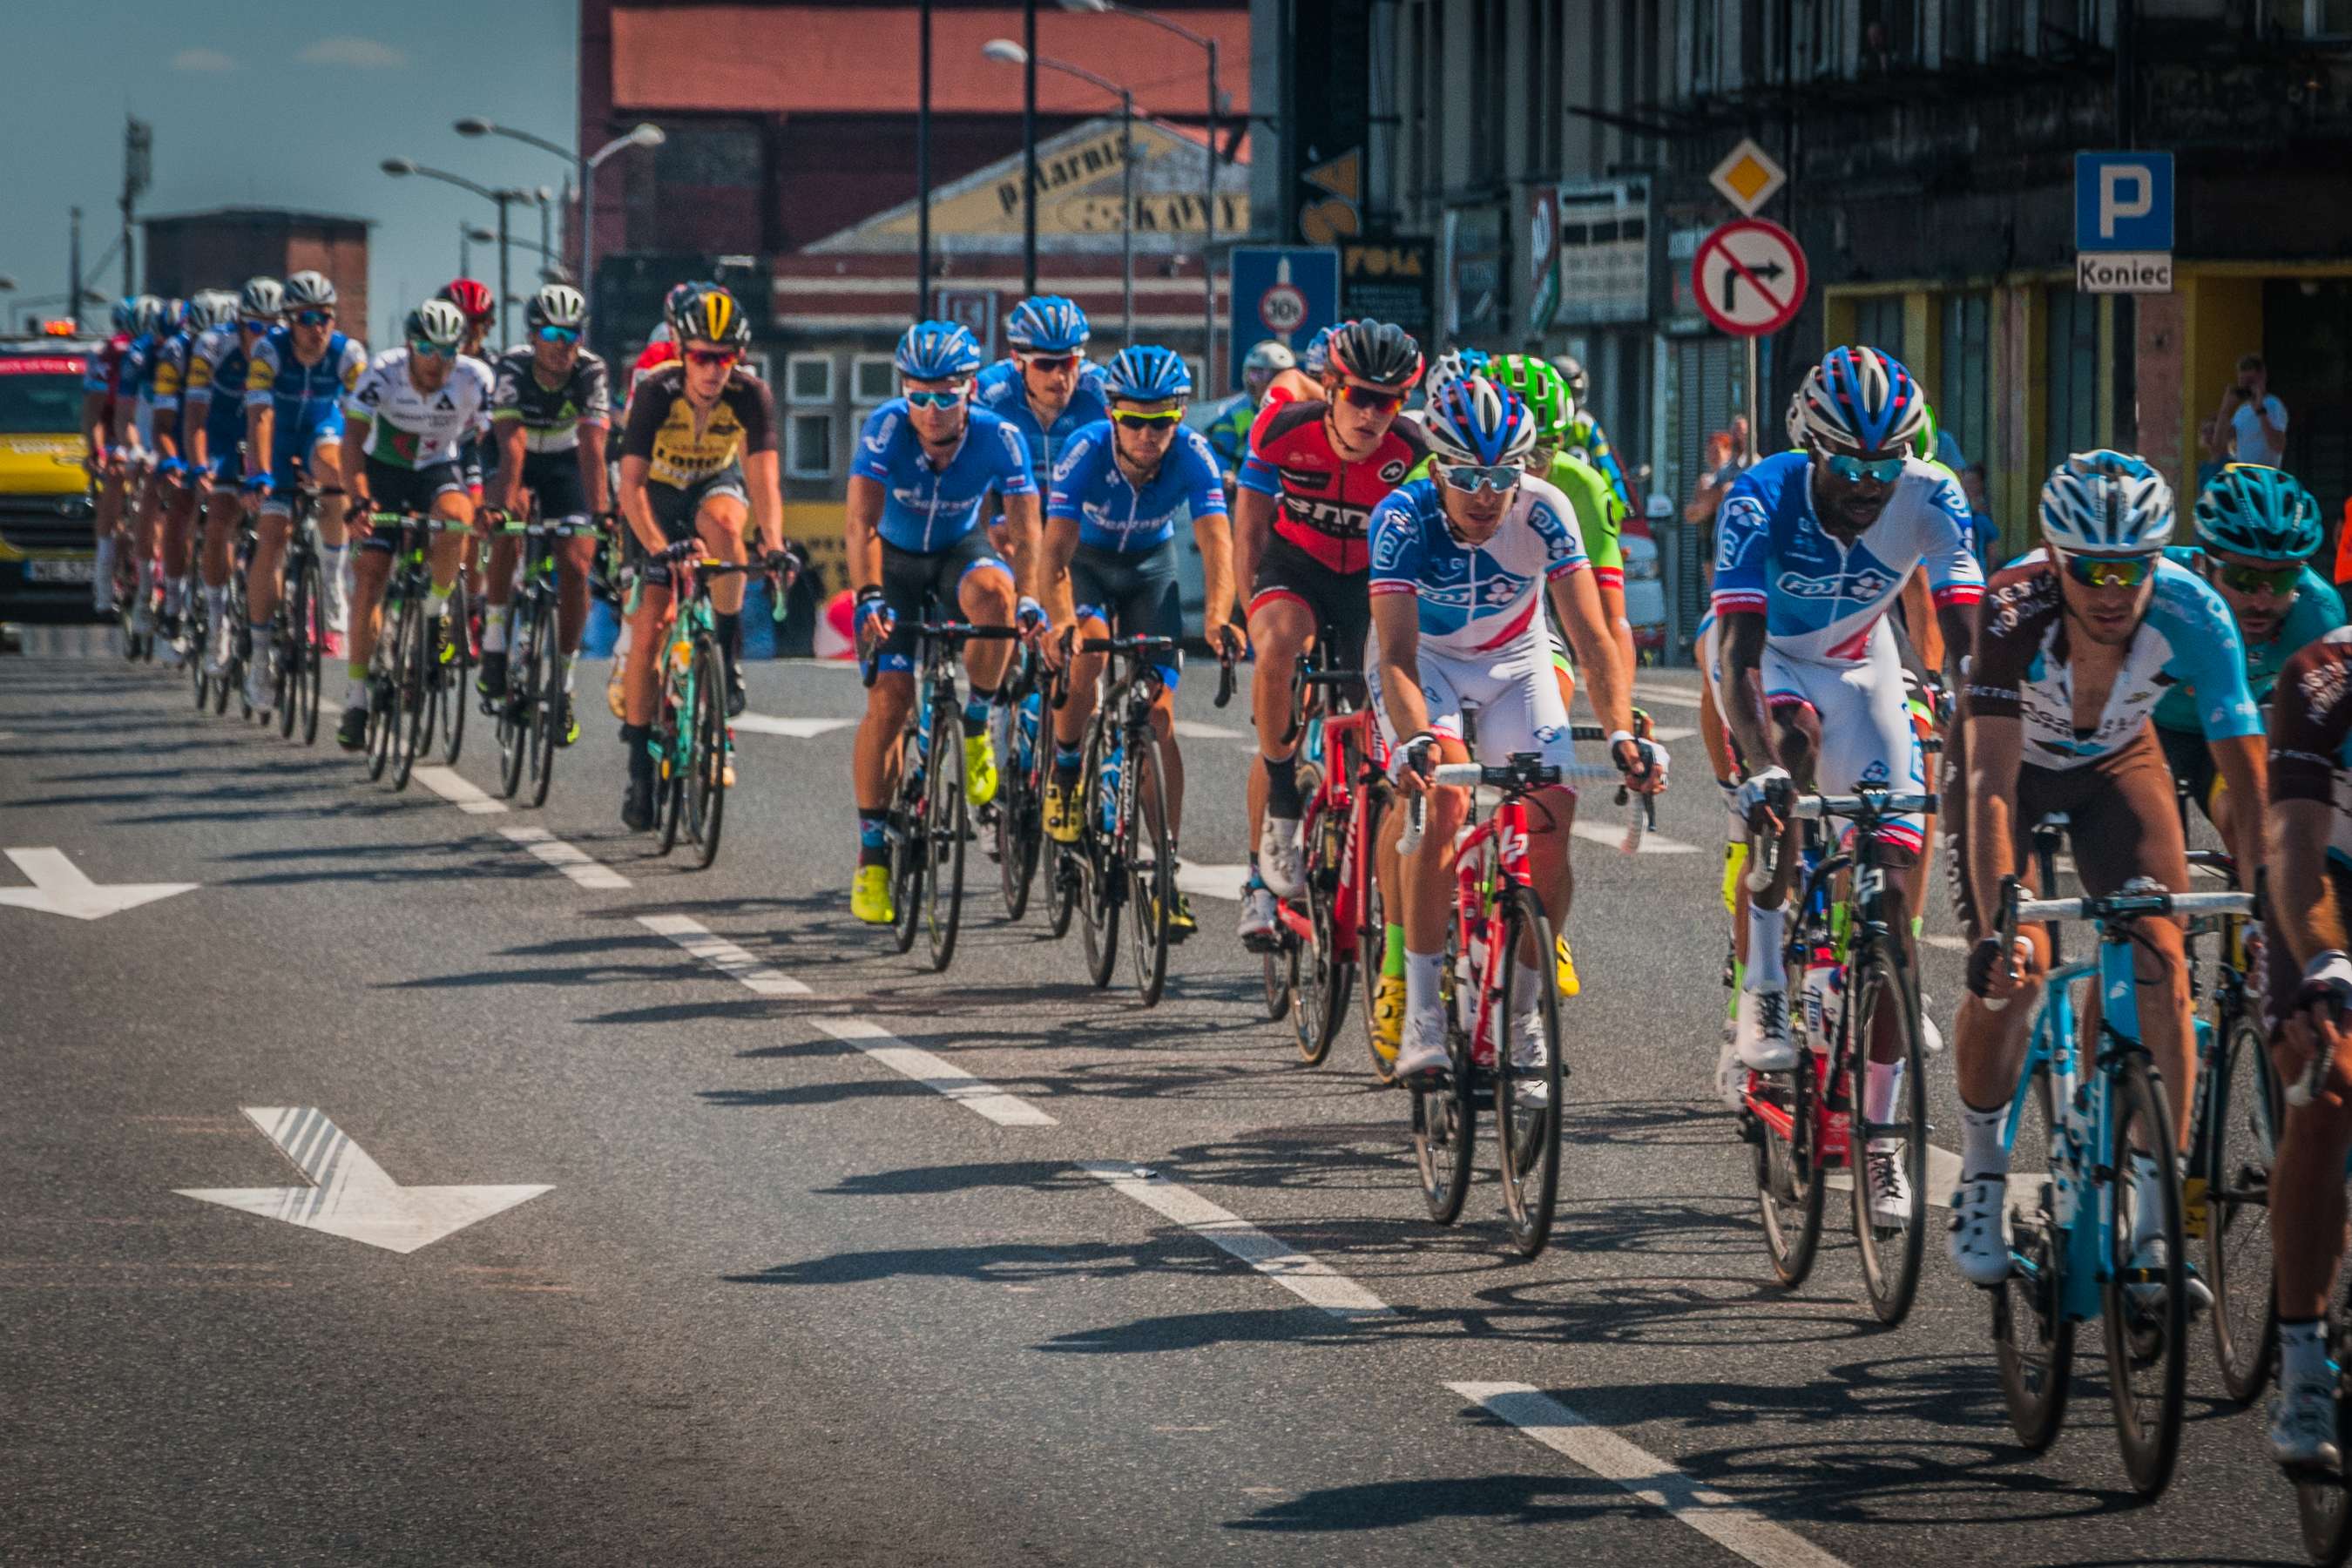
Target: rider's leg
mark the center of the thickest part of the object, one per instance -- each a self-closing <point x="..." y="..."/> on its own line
<point x="1281" y="627"/>
<point x="449" y="545"/>
<point x="644" y="680"/>
<point x="335" y="547"/>
<point x="106" y="519"/>
<point x="985" y="595"/>
<point x="1086" y="669"/>
<point x="370" y="570"/>
<point x="498" y="590"/>
<point x="179" y="528"/>
<point x="875" y="762"/>
<point x="719" y="520"/>
<point x="261" y="571"/>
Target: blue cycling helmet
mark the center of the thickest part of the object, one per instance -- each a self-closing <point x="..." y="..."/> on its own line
<point x="2251" y="510"/>
<point x="175" y="315"/>
<point x="1149" y="374"/>
<point x="1860" y="400"/>
<point x="126" y="313"/>
<point x="938" y="351"/>
<point x="1318" y="353"/>
<point x="2106" y="503"/>
<point x="1471" y="420"/>
<point x="1048" y="324"/>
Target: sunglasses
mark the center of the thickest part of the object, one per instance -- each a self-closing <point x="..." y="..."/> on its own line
<point x="1470" y="479"/>
<point x="2258" y="579"/>
<point x="1855" y="471"/>
<point x="250" y="325"/>
<point x="2108" y="570"/>
<point x="314" y="318"/>
<point x="951" y="398"/>
<point x="559" y="334"/>
<point x="1378" y="399"/>
<point x="1048" y="362"/>
<point x="705" y="358"/>
<point x="1136" y="419"/>
<point x="420" y="349"/>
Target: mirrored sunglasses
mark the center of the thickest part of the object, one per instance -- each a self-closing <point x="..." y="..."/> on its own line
<point x="706" y="358"/>
<point x="424" y="349"/>
<point x="1855" y="471"/>
<point x="1378" y="399"/>
<point x="2108" y="570"/>
<point x="2259" y="579"/>
<point x="314" y="318"/>
<point x="1470" y="477"/>
<point x="917" y="397"/>
<point x="1048" y="362"/>
<point x="1137" y="419"/>
<point x="559" y="334"/>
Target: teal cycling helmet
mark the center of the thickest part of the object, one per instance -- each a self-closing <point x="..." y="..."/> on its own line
<point x="2250" y="510"/>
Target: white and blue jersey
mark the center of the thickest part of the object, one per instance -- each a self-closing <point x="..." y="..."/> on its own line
<point x="999" y="390"/>
<point x="925" y="509"/>
<point x="1473" y="599"/>
<point x="1090" y="489"/>
<point x="137" y="383"/>
<point x="1820" y="599"/>
<point x="216" y="394"/>
<point x="167" y="381"/>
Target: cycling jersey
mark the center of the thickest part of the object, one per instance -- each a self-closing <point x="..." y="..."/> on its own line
<point x="303" y="394"/>
<point x="216" y="363"/>
<point x="1228" y="431"/>
<point x="999" y="390"/>
<point x="101" y="372"/>
<point x="1587" y="442"/>
<point x="651" y="358"/>
<point x="1091" y="489"/>
<point x="924" y="507"/>
<point x="2311" y="734"/>
<point x="169" y="377"/>
<point x="1820" y="599"/>
<point x="2317" y="608"/>
<point x="409" y="428"/>
<point x="683" y="445"/>
<point x="1474" y="598"/>
<point x="1599" y="513"/>
<point x="550" y="416"/>
<point x="1325" y="499"/>
<point x="2021" y="670"/>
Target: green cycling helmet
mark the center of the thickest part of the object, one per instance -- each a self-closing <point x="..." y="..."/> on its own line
<point x="2250" y="510"/>
<point x="1541" y="388"/>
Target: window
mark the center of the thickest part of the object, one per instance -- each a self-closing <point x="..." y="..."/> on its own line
<point x="808" y="446"/>
<point x="873" y="378"/>
<point x="2071" y="371"/>
<point x="808" y="378"/>
<point x="1878" y="323"/>
<point x="1963" y="406"/>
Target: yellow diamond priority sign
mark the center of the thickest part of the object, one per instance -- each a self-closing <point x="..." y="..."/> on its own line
<point x="1748" y="177"/>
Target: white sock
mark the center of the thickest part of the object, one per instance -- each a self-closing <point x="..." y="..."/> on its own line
<point x="1765" y="928"/>
<point x="216" y="606"/>
<point x="354" y="691"/>
<point x="436" y="600"/>
<point x="1879" y="1089"/>
<point x="1421" y="977"/>
<point x="1527" y="982"/>
<point x="620" y="649"/>
<point x="494" y="630"/>
<point x="2303" y="1353"/>
<point x="569" y="660"/>
<point x="1981" y="1154"/>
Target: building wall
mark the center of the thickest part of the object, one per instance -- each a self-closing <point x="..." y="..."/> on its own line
<point x="221" y="251"/>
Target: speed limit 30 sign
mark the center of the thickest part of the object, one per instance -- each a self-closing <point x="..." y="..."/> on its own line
<point x="1748" y="277"/>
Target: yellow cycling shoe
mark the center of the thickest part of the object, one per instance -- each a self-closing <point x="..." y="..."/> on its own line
<point x="1181" y="923"/>
<point x="1565" y="967"/>
<point x="979" y="768"/>
<point x="1065" y="811"/>
<point x="869" y="896"/>
<point x="1388" y="1019"/>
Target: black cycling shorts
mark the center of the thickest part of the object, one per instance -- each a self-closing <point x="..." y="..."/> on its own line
<point x="1341" y="601"/>
<point x="553" y="479"/>
<point x="2191" y="760"/>
<point x="1136" y="594"/>
<point x="916" y="584"/>
<point x="675" y="510"/>
<point x="392" y="487"/>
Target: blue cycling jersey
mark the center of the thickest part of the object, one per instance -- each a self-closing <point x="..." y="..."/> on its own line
<point x="1820" y="598"/>
<point x="2317" y="610"/>
<point x="927" y="508"/>
<point x="999" y="390"/>
<point x="216" y="385"/>
<point x="1090" y="489"/>
<point x="138" y="377"/>
<point x="302" y="393"/>
<point x="1474" y="598"/>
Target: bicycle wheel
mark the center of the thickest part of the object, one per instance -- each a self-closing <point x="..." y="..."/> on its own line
<point x="1280" y="967"/>
<point x="705" y="783"/>
<point x="1371" y="941"/>
<point x="669" y="770"/>
<point x="1151" y="856"/>
<point x="1099" y="874"/>
<point x="310" y="649"/>
<point x="1320" y="978"/>
<point x="233" y="678"/>
<point x="198" y="631"/>
<point x="382" y="682"/>
<point x="2242" y="1121"/>
<point x="947" y="825"/>
<point x="291" y="613"/>
<point x="1890" y="1215"/>
<point x="546" y="701"/>
<point x="2033" y="1340"/>
<point x="1790" y="1185"/>
<point x="510" y="723"/>
<point x="909" y="838"/>
<point x="2145" y="1308"/>
<point x="411" y="726"/>
<point x="1528" y="1095"/>
<point x="2321" y="1504"/>
<point x="1445" y="1119"/>
<point x="449" y="681"/>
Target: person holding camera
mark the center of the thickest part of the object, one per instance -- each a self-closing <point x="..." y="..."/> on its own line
<point x="2251" y="424"/>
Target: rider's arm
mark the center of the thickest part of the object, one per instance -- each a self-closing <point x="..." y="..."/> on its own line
<point x="509" y="431"/>
<point x="637" y="507"/>
<point x="1213" y="533"/>
<point x="1921" y="621"/>
<point x="1396" y="617"/>
<point x="1740" y="692"/>
<point x="861" y="532"/>
<point x="260" y="411"/>
<point x="1608" y="684"/>
<point x="1257" y="491"/>
<point x="2302" y="899"/>
<point x="2243" y="761"/>
<point x="1957" y="624"/>
<point x="97" y="429"/>
<point x="767" y="499"/>
<point x="1025" y="529"/>
<point x="1996" y="747"/>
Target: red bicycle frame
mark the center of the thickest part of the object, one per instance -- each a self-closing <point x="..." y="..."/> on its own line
<point x="1489" y="859"/>
<point x="1353" y="760"/>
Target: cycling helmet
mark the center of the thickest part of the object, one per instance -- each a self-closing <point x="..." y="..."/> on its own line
<point x="1376" y="353"/>
<point x="1859" y="400"/>
<point x="437" y="321"/>
<point x="2106" y="503"/>
<point x="175" y="315"/>
<point x="146" y="315"/>
<point x="211" y="308"/>
<point x="1047" y="324"/>
<point x="1318" y="353"/>
<point x="679" y="296"/>
<point x="2250" y="510"/>
<point x="126" y="314"/>
<point x="1148" y="374"/>
<point x="1543" y="389"/>
<point x="1472" y="420"/>
<point x="1793" y="422"/>
<point x="1444" y="371"/>
<point x="1572" y="371"/>
<point x="938" y="351"/>
<point x="557" y="305"/>
<point x="473" y="299"/>
<point x="713" y="315"/>
<point x="1270" y="358"/>
<point x="262" y="299"/>
<point x="310" y="291"/>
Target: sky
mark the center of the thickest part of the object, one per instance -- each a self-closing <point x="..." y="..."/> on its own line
<point x="267" y="103"/>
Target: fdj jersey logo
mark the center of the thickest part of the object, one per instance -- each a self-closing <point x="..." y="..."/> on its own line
<point x="1860" y="586"/>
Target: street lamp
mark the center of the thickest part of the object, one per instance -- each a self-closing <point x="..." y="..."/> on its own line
<point x="1209" y="241"/>
<point x="401" y="167"/>
<point x="469" y="236"/>
<point x="1007" y="52"/>
<point x="643" y="134"/>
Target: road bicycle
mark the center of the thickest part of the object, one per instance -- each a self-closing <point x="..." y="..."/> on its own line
<point x="531" y="713"/>
<point x="2094" y="1142"/>
<point x="1016" y="817"/>
<point x="692" y="746"/>
<point x="297" y="631"/>
<point x="1846" y="959"/>
<point x="407" y="682"/>
<point x="214" y="691"/>
<point x="928" y="822"/>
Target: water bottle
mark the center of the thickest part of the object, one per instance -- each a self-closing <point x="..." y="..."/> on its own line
<point x="1110" y="767"/>
<point x="1821" y="1000"/>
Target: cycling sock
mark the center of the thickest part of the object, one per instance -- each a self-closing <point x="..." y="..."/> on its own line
<point x="494" y="630"/>
<point x="1881" y="1085"/>
<point x="1765" y="969"/>
<point x="570" y="659"/>
<point x="2147" y="1202"/>
<point x="330" y="572"/>
<point x="1421" y="977"/>
<point x="1393" y="958"/>
<point x="872" y="845"/>
<point x="976" y="705"/>
<point x="146" y="580"/>
<point x="355" y="686"/>
<point x="1282" y="787"/>
<point x="641" y="758"/>
<point x="216" y="604"/>
<point x="2303" y="1351"/>
<point x="729" y="624"/>
<point x="1981" y="1154"/>
<point x="1066" y="761"/>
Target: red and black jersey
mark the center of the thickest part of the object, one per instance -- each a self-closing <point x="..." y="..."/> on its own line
<point x="1325" y="499"/>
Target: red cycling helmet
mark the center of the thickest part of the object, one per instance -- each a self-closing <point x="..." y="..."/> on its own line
<point x="473" y="299"/>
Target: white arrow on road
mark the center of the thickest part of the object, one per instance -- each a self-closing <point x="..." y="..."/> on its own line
<point x="351" y="1196"/>
<point x="59" y="888"/>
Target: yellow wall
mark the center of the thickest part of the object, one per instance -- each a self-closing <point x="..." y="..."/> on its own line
<point x="2224" y="313"/>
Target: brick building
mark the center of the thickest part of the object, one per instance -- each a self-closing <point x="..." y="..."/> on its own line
<point x="222" y="249"/>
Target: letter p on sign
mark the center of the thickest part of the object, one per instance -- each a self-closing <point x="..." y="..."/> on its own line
<point x="2124" y="192"/>
<point x="2123" y="201"/>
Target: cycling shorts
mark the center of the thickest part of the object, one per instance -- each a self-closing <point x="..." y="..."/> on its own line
<point x="1136" y="594"/>
<point x="675" y="510"/>
<point x="1865" y="725"/>
<point x="2121" y="811"/>
<point x="1341" y="601"/>
<point x="1511" y="689"/>
<point x="2191" y="762"/>
<point x="296" y="440"/>
<point x="917" y="583"/>
<point x="392" y="487"/>
<point x="142" y="421"/>
<point x="553" y="478"/>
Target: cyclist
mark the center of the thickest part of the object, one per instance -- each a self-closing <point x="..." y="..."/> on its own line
<point x="296" y="379"/>
<point x="1317" y="467"/>
<point x="1584" y="438"/>
<point x="104" y="456"/>
<point x="550" y="410"/>
<point x="481" y="308"/>
<point x="215" y="428"/>
<point x="207" y="308"/>
<point x="1229" y="425"/>
<point x="1812" y="548"/>
<point x="925" y="461"/>
<point x="156" y="321"/>
<point x="1044" y="388"/>
<point x="1599" y="507"/>
<point x="1110" y="522"/>
<point x="697" y="459"/>
<point x="2257" y="530"/>
<point x="2078" y="639"/>
<point x="1459" y="564"/>
<point x="405" y="427"/>
<point x="661" y="349"/>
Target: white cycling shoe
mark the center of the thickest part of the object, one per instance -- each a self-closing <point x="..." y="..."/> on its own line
<point x="1730" y="1078"/>
<point x="2302" y="1427"/>
<point x="1423" y="1049"/>
<point x="1278" y="860"/>
<point x="1980" y="1242"/>
<point x="1762" y="1038"/>
<point x="1890" y="1184"/>
<point x="260" y="691"/>
<point x="1258" y="917"/>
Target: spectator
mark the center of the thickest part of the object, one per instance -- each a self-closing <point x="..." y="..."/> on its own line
<point x="1717" y="470"/>
<point x="2252" y="421"/>
<point x="1984" y="529"/>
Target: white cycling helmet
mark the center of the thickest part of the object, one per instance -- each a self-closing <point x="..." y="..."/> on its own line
<point x="557" y="305"/>
<point x="211" y="308"/>
<point x="263" y="300"/>
<point x="1471" y="420"/>
<point x="2106" y="503"/>
<point x="438" y="323"/>
<point x="310" y="291"/>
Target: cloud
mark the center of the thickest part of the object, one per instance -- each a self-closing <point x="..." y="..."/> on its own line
<point x="201" y="60"/>
<point x="361" y="54"/>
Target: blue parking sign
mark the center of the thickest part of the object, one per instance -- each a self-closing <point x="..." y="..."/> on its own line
<point x="1286" y="292"/>
<point x="2123" y="201"/>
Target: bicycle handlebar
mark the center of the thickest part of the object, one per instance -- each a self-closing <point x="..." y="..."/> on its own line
<point x="2127" y="906"/>
<point x="1137" y="646"/>
<point x="1519" y="775"/>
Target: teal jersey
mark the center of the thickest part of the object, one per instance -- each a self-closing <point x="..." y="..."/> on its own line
<point x="2318" y="610"/>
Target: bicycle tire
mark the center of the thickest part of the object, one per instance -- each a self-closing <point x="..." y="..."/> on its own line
<point x="380" y="686"/>
<point x="670" y="774"/>
<point x="2033" y="1339"/>
<point x="1279" y="967"/>
<point x="1061" y="891"/>
<point x="2323" y="1504"/>
<point x="285" y="637"/>
<point x="2242" y="1097"/>
<point x="910" y="849"/>
<point x="1529" y="1105"/>
<point x="1790" y="1178"/>
<point x="410" y="723"/>
<point x="547" y="699"/>
<point x="1371" y="938"/>
<point x="1150" y="859"/>
<point x="947" y="824"/>
<point x="233" y="675"/>
<point x="1319" y="1003"/>
<point x="1445" y="1117"/>
<point x="2140" y="1335"/>
<point x="1020" y="818"/>
<point x="311" y="648"/>
<point x="450" y="697"/>
<point x="1890" y="1255"/>
<point x="199" y="625"/>
<point x="510" y="721"/>
<point x="1098" y="879"/>
<point x="705" y="783"/>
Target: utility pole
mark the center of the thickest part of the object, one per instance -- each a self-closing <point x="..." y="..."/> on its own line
<point x="1029" y="148"/>
<point x="923" y="167"/>
<point x="138" y="167"/>
<point x="73" y="268"/>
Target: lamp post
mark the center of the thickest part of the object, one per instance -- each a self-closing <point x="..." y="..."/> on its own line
<point x="1209" y="187"/>
<point x="502" y="197"/>
<point x="923" y="166"/>
<point x="469" y="236"/>
<point x="1010" y="53"/>
<point x="644" y="134"/>
<point x="1028" y="149"/>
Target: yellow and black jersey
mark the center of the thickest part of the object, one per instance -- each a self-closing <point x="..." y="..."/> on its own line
<point x="685" y="445"/>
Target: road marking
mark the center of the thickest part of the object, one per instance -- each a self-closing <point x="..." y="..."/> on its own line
<point x="1193" y="730"/>
<point x="1612" y="834"/>
<point x="798" y="729"/>
<point x="458" y="791"/>
<point x="347" y="1194"/>
<point x="1943" y="1177"/>
<point x="61" y="887"/>
<point x="1310" y="1280"/>
<point x="576" y="864"/>
<point x="723" y="956"/>
<point x="1740" y="1530"/>
<point x="1211" y="881"/>
<point x="91" y="640"/>
<point x="1669" y="696"/>
<point x="1949" y="943"/>
<point x="1672" y="732"/>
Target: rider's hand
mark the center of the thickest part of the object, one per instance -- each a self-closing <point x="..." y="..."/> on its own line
<point x="1754" y="803"/>
<point x="171" y="471"/>
<point x="260" y="485"/>
<point x="2313" y="1027"/>
<point x="1031" y="620"/>
<point x="1223" y="639"/>
<point x="1409" y="765"/>
<point x="785" y="562"/>
<point x="1058" y="648"/>
<point x="1643" y="762"/>
<point x="1996" y="971"/>
<point x="871" y="622"/>
<point x="683" y="549"/>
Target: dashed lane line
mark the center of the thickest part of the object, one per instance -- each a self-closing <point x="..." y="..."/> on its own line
<point x="1310" y="1279"/>
<point x="459" y="791"/>
<point x="798" y="729"/>
<point x="1206" y="881"/>
<point x="724" y="956"/>
<point x="1673" y="699"/>
<point x="576" y="864"/>
<point x="1612" y="834"/>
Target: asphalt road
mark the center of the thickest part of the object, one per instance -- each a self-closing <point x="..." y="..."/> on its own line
<point x="798" y="1291"/>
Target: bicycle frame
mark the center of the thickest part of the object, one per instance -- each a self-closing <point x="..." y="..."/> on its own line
<point x="1354" y="761"/>
<point x="1490" y="859"/>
